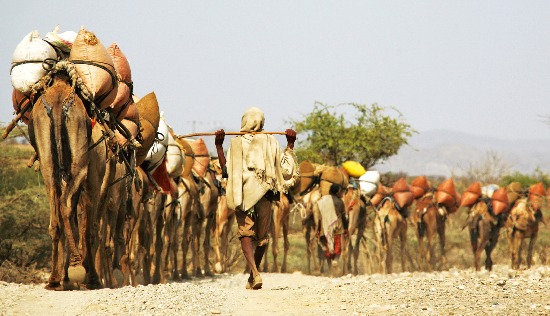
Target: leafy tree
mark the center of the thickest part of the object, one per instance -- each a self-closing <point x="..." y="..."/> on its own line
<point x="368" y="136"/>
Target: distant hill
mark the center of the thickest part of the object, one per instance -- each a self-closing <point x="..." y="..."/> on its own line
<point x="442" y="152"/>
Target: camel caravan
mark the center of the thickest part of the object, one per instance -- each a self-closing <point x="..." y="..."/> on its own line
<point x="131" y="202"/>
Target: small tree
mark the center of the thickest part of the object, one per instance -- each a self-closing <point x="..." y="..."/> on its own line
<point x="490" y="170"/>
<point x="370" y="136"/>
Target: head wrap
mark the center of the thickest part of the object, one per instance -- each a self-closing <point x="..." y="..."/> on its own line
<point x="253" y="120"/>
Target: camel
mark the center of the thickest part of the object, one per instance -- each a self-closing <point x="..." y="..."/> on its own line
<point x="389" y="223"/>
<point x="429" y="219"/>
<point x="522" y="224"/>
<point x="279" y="224"/>
<point x="73" y="158"/>
<point x="356" y="208"/>
<point x="484" y="229"/>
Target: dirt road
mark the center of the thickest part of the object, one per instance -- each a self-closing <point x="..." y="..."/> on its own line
<point x="453" y="292"/>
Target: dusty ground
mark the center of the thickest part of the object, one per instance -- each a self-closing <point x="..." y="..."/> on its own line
<point x="453" y="292"/>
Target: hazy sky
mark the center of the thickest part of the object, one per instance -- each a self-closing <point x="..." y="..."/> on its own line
<point x="480" y="67"/>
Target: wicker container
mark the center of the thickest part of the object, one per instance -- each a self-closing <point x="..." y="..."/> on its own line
<point x="400" y="186"/>
<point x="27" y="61"/>
<point x="149" y="118"/>
<point x="403" y="198"/>
<point x="131" y="127"/>
<point x="470" y="196"/>
<point x="174" y="158"/>
<point x="421" y="182"/>
<point x="380" y="194"/>
<point x="499" y="200"/>
<point x="369" y="182"/>
<point x="124" y="75"/>
<point x="95" y="67"/>
<point x="354" y="169"/>
<point x="188" y="156"/>
<point x="202" y="157"/>
<point x="536" y="195"/>
<point x="514" y="191"/>
<point x="306" y="175"/>
<point x="20" y="100"/>
<point x="446" y="193"/>
<point x="332" y="175"/>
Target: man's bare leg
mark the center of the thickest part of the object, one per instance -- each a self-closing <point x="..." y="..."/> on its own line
<point x="247" y="246"/>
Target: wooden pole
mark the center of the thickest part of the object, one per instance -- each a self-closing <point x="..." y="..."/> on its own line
<point x="227" y="133"/>
<point x="12" y="124"/>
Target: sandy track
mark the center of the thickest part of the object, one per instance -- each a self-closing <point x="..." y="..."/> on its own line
<point x="458" y="292"/>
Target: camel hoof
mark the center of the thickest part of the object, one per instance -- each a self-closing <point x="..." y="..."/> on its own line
<point x="94" y="286"/>
<point x="185" y="275"/>
<point x="218" y="267"/>
<point x="77" y="274"/>
<point x="119" y="276"/>
<point x="53" y="286"/>
<point x="140" y="280"/>
<point x="176" y="276"/>
<point x="198" y="273"/>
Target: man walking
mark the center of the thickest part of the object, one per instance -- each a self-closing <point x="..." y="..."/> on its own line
<point x="258" y="172"/>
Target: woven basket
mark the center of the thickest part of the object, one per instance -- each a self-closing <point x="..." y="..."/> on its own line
<point x="332" y="175"/>
<point x="380" y="194"/>
<point x="536" y="195"/>
<point x="470" y="196"/>
<point x="354" y="169"/>
<point x="499" y="200"/>
<point x="19" y="100"/>
<point x="188" y="152"/>
<point x="100" y="81"/>
<point x="149" y="118"/>
<point x="202" y="157"/>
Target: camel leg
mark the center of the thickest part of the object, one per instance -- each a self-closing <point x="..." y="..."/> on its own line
<point x="158" y="220"/>
<point x="441" y="233"/>
<point x="185" y="245"/>
<point x="356" y="249"/>
<point x="421" y="250"/>
<point x="403" y="239"/>
<point x="389" y="256"/>
<point x="196" y="231"/>
<point x="145" y="238"/>
<point x="430" y="253"/>
<point x="520" y="249"/>
<point x="286" y="245"/>
<point x="489" y="247"/>
<point x="210" y="220"/>
<point x="275" y="249"/>
<point x="54" y="281"/>
<point x="346" y="243"/>
<point x="307" y="237"/>
<point x="514" y="248"/>
<point x="532" y="241"/>
<point x="216" y="244"/>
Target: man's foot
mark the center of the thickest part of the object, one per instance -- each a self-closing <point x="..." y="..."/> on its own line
<point x="257" y="283"/>
<point x="254" y="283"/>
<point x="249" y="283"/>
